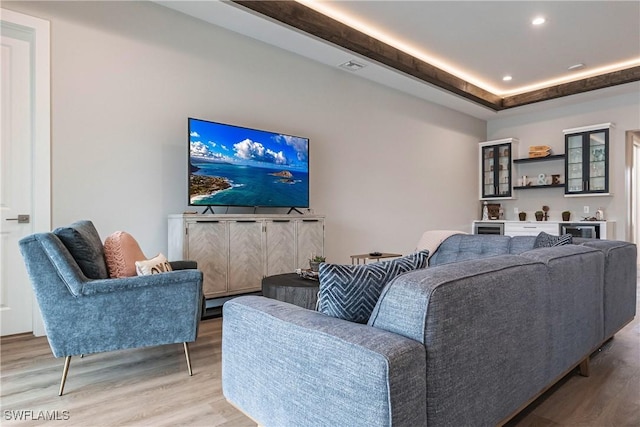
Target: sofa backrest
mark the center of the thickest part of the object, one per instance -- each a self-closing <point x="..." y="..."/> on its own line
<point x="467" y="315"/>
<point x="620" y="268"/>
<point x="542" y="308"/>
<point x="620" y="282"/>
<point x="57" y="282"/>
<point x="463" y="247"/>
<point x="576" y="275"/>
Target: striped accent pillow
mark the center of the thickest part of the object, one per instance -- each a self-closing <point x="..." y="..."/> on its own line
<point x="350" y="292"/>
<point x="544" y="240"/>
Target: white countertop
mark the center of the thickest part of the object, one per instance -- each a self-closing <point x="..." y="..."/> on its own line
<point x="543" y="222"/>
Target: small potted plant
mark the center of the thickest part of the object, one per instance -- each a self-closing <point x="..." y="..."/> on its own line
<point x="314" y="262"/>
<point x="522" y="216"/>
<point x="539" y="215"/>
<point x="566" y="215"/>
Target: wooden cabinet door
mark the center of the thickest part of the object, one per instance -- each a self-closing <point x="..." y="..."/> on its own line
<point x="246" y="265"/>
<point x="208" y="245"/>
<point x="310" y="240"/>
<point x="280" y="244"/>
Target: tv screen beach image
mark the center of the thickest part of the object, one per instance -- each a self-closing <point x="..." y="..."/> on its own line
<point x="236" y="166"/>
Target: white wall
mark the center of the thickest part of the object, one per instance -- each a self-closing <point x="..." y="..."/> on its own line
<point x="545" y="128"/>
<point x="385" y="166"/>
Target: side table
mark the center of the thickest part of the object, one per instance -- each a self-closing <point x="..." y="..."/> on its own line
<point x="291" y="288"/>
<point x="355" y="259"/>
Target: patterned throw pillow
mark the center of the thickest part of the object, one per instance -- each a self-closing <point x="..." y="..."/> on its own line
<point x="156" y="265"/>
<point x="350" y="292"/>
<point x="121" y="251"/>
<point x="544" y="240"/>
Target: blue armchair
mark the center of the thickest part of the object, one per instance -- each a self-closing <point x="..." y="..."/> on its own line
<point x="85" y="315"/>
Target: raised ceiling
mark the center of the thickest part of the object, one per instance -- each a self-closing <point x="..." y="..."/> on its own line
<point x="464" y="48"/>
<point x="483" y="41"/>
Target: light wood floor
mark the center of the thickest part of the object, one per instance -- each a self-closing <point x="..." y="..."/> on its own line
<point x="151" y="387"/>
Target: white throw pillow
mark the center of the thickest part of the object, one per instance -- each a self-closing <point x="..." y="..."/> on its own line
<point x="156" y="265"/>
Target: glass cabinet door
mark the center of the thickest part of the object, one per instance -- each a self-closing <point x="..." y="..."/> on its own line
<point x="504" y="170"/>
<point x="575" y="183"/>
<point x="488" y="164"/>
<point x="496" y="171"/>
<point x="587" y="165"/>
<point x="597" y="163"/>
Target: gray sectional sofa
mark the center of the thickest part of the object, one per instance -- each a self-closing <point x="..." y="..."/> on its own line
<point x="471" y="340"/>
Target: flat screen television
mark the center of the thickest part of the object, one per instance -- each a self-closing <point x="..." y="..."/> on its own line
<point x="237" y="166"/>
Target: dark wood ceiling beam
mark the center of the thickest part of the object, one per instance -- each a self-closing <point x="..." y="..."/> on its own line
<point x="323" y="27"/>
<point x="314" y="23"/>
<point x="602" y="81"/>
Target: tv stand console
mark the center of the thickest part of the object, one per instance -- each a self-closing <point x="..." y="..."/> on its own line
<point x="235" y="252"/>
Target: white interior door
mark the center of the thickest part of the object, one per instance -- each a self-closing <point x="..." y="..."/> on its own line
<point x="15" y="186"/>
<point x="25" y="205"/>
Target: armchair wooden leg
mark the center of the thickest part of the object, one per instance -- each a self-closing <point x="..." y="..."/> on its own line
<point x="65" y="371"/>
<point x="186" y="353"/>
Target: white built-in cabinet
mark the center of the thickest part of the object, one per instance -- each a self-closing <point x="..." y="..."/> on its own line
<point x="235" y="252"/>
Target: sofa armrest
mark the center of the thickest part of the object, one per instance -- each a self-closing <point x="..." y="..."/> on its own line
<point x="285" y="365"/>
<point x="171" y="278"/>
<point x="184" y="265"/>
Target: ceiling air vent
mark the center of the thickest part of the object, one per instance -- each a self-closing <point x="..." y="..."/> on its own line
<point x="352" y="66"/>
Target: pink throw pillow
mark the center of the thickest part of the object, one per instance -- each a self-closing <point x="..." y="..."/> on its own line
<point x="121" y="251"/>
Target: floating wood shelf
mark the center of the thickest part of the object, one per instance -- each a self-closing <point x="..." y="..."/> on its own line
<point x="539" y="159"/>
<point x="531" y="187"/>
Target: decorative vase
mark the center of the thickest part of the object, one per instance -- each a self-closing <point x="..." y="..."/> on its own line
<point x="522" y="216"/>
<point x="566" y="216"/>
<point x="539" y="216"/>
<point x="315" y="266"/>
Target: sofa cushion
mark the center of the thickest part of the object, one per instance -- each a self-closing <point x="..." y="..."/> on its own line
<point x="155" y="265"/>
<point x="432" y="239"/>
<point x="519" y="244"/>
<point x="83" y="243"/>
<point x="121" y="251"/>
<point x="544" y="240"/>
<point x="463" y="247"/>
<point x="351" y="292"/>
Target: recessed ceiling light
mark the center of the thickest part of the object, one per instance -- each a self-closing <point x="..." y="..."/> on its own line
<point x="507" y="78"/>
<point x="576" y="67"/>
<point x="352" y="66"/>
<point x="538" y="20"/>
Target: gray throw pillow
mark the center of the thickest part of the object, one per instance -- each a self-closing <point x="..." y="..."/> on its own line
<point x="350" y="292"/>
<point x="83" y="242"/>
<point x="544" y="240"/>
